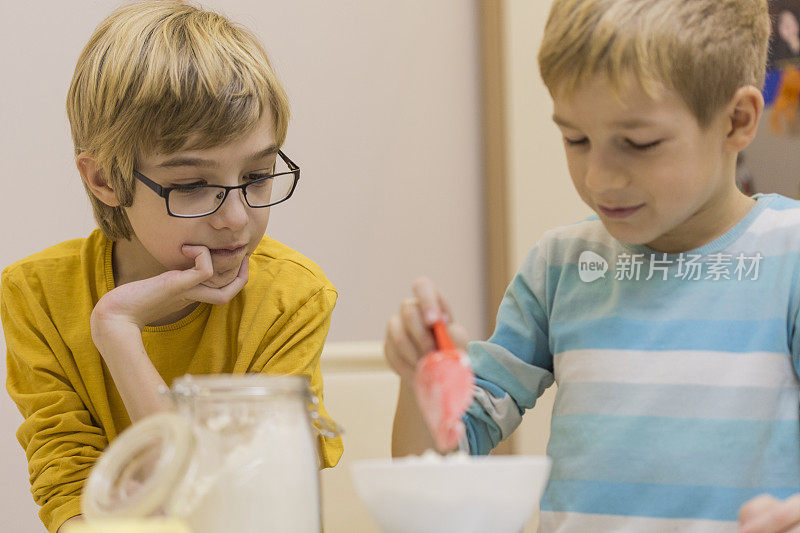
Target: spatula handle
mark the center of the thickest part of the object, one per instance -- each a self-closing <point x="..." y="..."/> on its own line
<point x="443" y="340"/>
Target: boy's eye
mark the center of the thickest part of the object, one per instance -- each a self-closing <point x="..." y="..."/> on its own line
<point x="643" y="146"/>
<point x="576" y="142"/>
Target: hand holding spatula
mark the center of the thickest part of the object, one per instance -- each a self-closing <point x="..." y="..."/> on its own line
<point x="443" y="384"/>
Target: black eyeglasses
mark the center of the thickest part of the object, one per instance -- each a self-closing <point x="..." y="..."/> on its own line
<point x="199" y="200"/>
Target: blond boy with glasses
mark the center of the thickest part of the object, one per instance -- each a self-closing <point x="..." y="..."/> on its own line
<point x="177" y="120"/>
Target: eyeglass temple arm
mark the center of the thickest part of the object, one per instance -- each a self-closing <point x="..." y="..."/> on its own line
<point x="159" y="190"/>
<point x="292" y="164"/>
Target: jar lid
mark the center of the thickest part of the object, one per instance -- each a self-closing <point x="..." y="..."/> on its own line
<point x="140" y="469"/>
<point x="143" y="525"/>
<point x="238" y="385"/>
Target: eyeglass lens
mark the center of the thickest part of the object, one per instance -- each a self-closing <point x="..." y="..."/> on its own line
<point x="200" y="200"/>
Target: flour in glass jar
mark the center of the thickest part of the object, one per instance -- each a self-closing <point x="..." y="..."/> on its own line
<point x="261" y="480"/>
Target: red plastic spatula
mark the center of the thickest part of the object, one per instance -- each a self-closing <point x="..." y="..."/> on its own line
<point x="443" y="383"/>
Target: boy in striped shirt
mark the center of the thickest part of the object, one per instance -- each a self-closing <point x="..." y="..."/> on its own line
<point x="669" y="318"/>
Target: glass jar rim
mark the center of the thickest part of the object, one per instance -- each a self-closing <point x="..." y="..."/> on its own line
<point x="175" y="445"/>
<point x="238" y="385"/>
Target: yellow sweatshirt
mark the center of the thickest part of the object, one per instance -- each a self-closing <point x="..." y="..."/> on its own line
<point x="276" y="325"/>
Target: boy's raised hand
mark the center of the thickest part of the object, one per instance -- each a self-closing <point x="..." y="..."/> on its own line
<point x="767" y="514"/>
<point x="119" y="317"/>
<point x="145" y="301"/>
<point x="408" y="333"/>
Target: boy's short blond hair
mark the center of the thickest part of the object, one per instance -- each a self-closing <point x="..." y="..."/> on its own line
<point x="157" y="74"/>
<point x="705" y="50"/>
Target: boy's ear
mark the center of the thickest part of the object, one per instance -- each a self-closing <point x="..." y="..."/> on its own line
<point x="744" y="111"/>
<point x="95" y="179"/>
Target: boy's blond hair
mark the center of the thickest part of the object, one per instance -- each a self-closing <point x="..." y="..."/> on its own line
<point x="705" y="50"/>
<point x="156" y="74"/>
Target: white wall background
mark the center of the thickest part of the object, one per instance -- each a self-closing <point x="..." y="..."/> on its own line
<point x="385" y="129"/>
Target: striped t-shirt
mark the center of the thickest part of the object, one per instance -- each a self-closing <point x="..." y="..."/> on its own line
<point x="678" y="393"/>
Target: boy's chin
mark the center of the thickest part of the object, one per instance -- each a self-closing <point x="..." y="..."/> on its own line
<point x="224" y="273"/>
<point x="219" y="280"/>
<point x="630" y="237"/>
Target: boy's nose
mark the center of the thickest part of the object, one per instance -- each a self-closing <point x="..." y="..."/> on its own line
<point x="601" y="175"/>
<point x="232" y="213"/>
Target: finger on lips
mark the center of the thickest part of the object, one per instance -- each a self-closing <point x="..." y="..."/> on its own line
<point x="203" y="268"/>
<point x="194" y="252"/>
<point x="221" y="295"/>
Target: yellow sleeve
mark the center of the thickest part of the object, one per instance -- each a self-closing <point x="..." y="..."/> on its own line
<point x="59" y="436"/>
<point x="296" y="349"/>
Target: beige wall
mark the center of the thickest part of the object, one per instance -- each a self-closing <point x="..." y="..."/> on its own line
<point x="540" y="191"/>
<point x="385" y="128"/>
<point x="773" y="161"/>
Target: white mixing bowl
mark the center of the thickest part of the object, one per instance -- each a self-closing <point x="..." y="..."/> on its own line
<point x="458" y="494"/>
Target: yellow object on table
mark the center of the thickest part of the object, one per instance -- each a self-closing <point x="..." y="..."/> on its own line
<point x="138" y="525"/>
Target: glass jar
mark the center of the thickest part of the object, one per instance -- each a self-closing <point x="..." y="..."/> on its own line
<point x="240" y="454"/>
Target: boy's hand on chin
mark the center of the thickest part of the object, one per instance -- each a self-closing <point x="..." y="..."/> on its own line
<point x="223" y="279"/>
<point x="142" y="302"/>
<point x="767" y="514"/>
